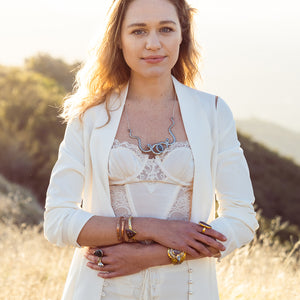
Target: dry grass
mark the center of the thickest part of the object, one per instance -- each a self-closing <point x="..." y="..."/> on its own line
<point x="265" y="270"/>
<point x="33" y="269"/>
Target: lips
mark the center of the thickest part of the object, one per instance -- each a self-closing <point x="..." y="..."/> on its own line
<point x="154" y="59"/>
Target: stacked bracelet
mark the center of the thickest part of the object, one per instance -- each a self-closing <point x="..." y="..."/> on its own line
<point x="122" y="229"/>
<point x="177" y="257"/>
<point x="129" y="231"/>
<point x="120" y="233"/>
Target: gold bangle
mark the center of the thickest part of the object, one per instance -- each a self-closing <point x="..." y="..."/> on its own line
<point x="122" y="229"/>
<point x="177" y="257"/>
<point x="130" y="232"/>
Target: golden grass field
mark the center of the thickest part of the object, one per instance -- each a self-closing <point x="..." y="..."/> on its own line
<point x="33" y="269"/>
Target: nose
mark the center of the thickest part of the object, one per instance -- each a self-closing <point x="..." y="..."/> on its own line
<point x="153" y="41"/>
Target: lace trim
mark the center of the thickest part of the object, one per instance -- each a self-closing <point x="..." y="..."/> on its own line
<point x="152" y="170"/>
<point x="140" y="154"/>
<point x="119" y="201"/>
<point x="181" y="209"/>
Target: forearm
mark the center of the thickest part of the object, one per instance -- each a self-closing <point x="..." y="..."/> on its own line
<point x="103" y="231"/>
<point x="157" y="255"/>
<point x="180" y="235"/>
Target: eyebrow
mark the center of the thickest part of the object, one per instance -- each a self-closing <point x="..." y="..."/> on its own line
<point x="144" y="24"/>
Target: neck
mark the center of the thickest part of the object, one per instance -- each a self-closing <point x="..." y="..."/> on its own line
<point x="152" y="90"/>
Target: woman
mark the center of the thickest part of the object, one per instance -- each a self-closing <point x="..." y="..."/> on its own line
<point x="142" y="157"/>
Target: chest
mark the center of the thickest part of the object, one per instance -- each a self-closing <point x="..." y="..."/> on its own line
<point x="151" y="125"/>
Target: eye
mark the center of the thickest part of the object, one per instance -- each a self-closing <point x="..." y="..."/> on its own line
<point x="138" y="32"/>
<point x="166" y="29"/>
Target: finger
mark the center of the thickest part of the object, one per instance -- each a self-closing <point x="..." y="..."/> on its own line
<point x="204" y="239"/>
<point x="92" y="258"/>
<point x="213" y="233"/>
<point x="90" y="251"/>
<point x="202" y="249"/>
<point x="105" y="268"/>
<point x="94" y="266"/>
<point x="191" y="251"/>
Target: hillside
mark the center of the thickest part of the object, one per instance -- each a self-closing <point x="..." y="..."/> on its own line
<point x="275" y="180"/>
<point x="29" y="98"/>
<point x="284" y="141"/>
<point x="18" y="205"/>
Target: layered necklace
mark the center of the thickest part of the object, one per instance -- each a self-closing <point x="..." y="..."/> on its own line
<point x="156" y="148"/>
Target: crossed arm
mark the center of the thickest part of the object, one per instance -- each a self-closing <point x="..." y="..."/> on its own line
<point x="128" y="258"/>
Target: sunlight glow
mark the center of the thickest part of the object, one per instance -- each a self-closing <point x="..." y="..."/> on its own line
<point x="250" y="49"/>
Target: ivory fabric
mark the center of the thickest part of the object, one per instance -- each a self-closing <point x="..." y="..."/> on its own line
<point x="160" y="188"/>
<point x="79" y="185"/>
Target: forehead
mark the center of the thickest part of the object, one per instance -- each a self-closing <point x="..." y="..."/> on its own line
<point x="147" y="11"/>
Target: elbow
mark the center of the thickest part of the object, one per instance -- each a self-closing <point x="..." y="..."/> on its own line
<point x="250" y="227"/>
<point x="63" y="225"/>
<point x="53" y="228"/>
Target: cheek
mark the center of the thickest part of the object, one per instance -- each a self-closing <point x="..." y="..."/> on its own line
<point x="129" y="49"/>
<point x="174" y="48"/>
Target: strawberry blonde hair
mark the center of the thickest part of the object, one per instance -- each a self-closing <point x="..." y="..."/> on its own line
<point x="105" y="71"/>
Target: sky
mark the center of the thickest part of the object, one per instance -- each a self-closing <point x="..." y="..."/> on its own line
<point x="250" y="49"/>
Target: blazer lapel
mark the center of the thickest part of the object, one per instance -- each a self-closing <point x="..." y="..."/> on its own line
<point x="198" y="132"/>
<point x="101" y="142"/>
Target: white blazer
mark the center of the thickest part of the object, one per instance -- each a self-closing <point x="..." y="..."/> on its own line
<point x="79" y="185"/>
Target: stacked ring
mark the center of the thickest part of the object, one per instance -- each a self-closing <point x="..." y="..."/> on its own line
<point x="204" y="226"/>
<point x="100" y="255"/>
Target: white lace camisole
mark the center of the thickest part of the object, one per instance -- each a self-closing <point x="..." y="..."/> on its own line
<point x="159" y="187"/>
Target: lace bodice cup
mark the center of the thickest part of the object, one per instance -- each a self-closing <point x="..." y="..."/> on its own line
<point x="158" y="187"/>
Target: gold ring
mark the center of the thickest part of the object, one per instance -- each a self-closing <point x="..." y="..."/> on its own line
<point x="100" y="255"/>
<point x="205" y="225"/>
<point x="100" y="263"/>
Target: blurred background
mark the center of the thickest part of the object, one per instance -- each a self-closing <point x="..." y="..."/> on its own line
<point x="250" y="58"/>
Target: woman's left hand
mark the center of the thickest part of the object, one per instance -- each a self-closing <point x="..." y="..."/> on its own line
<point x="119" y="260"/>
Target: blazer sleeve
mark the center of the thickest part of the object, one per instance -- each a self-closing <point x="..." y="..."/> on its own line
<point x="234" y="192"/>
<point x="63" y="217"/>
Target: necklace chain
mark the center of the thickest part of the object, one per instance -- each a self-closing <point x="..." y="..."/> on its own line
<point x="156" y="148"/>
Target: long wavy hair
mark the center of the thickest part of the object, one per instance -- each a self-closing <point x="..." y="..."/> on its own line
<point x="105" y="71"/>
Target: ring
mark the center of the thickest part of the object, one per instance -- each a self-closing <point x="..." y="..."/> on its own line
<point x="100" y="263"/>
<point x="204" y="226"/>
<point x="100" y="255"/>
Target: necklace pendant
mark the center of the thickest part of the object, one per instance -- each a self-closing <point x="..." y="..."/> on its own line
<point x="157" y="148"/>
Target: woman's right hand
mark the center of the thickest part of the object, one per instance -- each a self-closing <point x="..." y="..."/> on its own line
<point x="187" y="237"/>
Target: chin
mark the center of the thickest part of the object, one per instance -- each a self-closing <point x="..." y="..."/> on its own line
<point x="152" y="74"/>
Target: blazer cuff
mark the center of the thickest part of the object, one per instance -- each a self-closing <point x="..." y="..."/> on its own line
<point x="75" y="225"/>
<point x="236" y="232"/>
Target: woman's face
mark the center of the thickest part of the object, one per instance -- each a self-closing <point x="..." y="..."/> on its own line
<point x="151" y="37"/>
